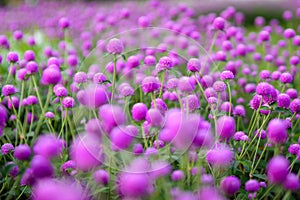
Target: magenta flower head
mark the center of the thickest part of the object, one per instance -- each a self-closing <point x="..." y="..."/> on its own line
<point x="185" y="84"/>
<point x="226" y="75"/>
<point x="219" y="23"/>
<point x="111" y="115"/>
<point x="32" y="67"/>
<point x="22" y="152"/>
<point x="252" y="185"/>
<point x="295" y="106"/>
<point x="264" y="36"/>
<point x="177" y="175"/>
<point x="292" y="182"/>
<point x="220" y="156"/>
<point x="289" y="33"/>
<point x="230" y="185"/>
<point x="18" y="35"/>
<point x="86" y="152"/>
<point x="47" y="145"/>
<point x="41" y="167"/>
<point x="191" y="102"/>
<point x="60" y="91"/>
<point x="277" y="169"/>
<point x="263" y="88"/>
<point x="64" y="23"/>
<point x="164" y="63"/>
<point x="80" y="77"/>
<point x="219" y="86"/>
<point x="225" y="127"/>
<point x="8" y="90"/>
<point x="139" y="111"/>
<point x="99" y="78"/>
<point x="133" y="61"/>
<point x="150" y="60"/>
<point x="6" y="148"/>
<point x="115" y="46"/>
<point x="277" y="131"/>
<point x="93" y="96"/>
<point x="101" y="177"/>
<point x="286" y="77"/>
<point x="68" y="102"/>
<point x="150" y="84"/>
<point x="12" y="57"/>
<point x="294" y="149"/>
<point x="51" y="75"/>
<point x="49" y="115"/>
<point x="283" y="101"/>
<point x="29" y="55"/>
<point x="194" y="65"/>
<point x="53" y="61"/>
<point x="121" y="138"/>
<point x="154" y="117"/>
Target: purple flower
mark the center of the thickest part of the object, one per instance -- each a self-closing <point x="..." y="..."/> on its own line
<point x="48" y="146"/>
<point x="177" y="175"/>
<point x="64" y="23"/>
<point x="277" y="169"/>
<point x="283" y="101"/>
<point x="68" y="102"/>
<point x="277" y="131"/>
<point x="292" y="182"/>
<point x="80" y="77"/>
<point x="8" y="90"/>
<point x="194" y="65"/>
<point x="226" y="75"/>
<point x="294" y="149"/>
<point x="225" y="127"/>
<point x="51" y="75"/>
<point x="295" y="106"/>
<point x="115" y="46"/>
<point x="230" y="184"/>
<point x="150" y="84"/>
<point x="220" y="156"/>
<point x="139" y="111"/>
<point x="101" y="177"/>
<point x="22" y="152"/>
<point x="219" y="23"/>
<point x="252" y="185"/>
<point x="6" y="148"/>
<point x="12" y="57"/>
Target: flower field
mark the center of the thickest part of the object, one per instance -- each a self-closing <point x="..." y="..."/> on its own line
<point x="148" y="100"/>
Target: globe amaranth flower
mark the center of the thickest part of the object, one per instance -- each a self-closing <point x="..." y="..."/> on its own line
<point x="292" y="182"/>
<point x="219" y="23"/>
<point x="51" y="75"/>
<point x="225" y="127"/>
<point x="277" y="169"/>
<point x="277" y="131"/>
<point x="121" y="138"/>
<point x="64" y="23"/>
<point x="101" y="177"/>
<point x="177" y="175"/>
<point x="12" y="57"/>
<point x="22" y="152"/>
<point x="295" y="106"/>
<point x="164" y="63"/>
<point x="68" y="102"/>
<point x="294" y="149"/>
<point x="219" y="86"/>
<point x="283" y="101"/>
<point x="150" y="84"/>
<point x="252" y="185"/>
<point x="139" y="111"/>
<point x="194" y="65"/>
<point x="80" y="77"/>
<point x="226" y="75"/>
<point x="8" y="90"/>
<point x="29" y="55"/>
<point x="47" y="145"/>
<point x="49" y="115"/>
<point x="263" y="88"/>
<point x="286" y="77"/>
<point x="220" y="156"/>
<point x="230" y="184"/>
<point x="115" y="46"/>
<point x="6" y="148"/>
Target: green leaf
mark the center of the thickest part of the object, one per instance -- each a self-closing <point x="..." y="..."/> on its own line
<point x="260" y="176"/>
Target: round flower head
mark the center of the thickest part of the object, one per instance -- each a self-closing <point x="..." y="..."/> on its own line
<point x="18" y="35"/>
<point x="177" y="175"/>
<point x="294" y="60"/>
<point x="115" y="46"/>
<point x="60" y="91"/>
<point x="64" y="23"/>
<point x="277" y="131"/>
<point x="31" y="100"/>
<point x="65" y="167"/>
<point x="292" y="182"/>
<point x="101" y="177"/>
<point x="265" y="74"/>
<point x="283" y="101"/>
<point x="53" y="61"/>
<point x="32" y="67"/>
<point x="238" y="135"/>
<point x="263" y="88"/>
<point x="121" y="138"/>
<point x="93" y="96"/>
<point x="99" y="78"/>
<point x="154" y="117"/>
<point x="208" y="192"/>
<point x="51" y="75"/>
<point x="139" y="111"/>
<point x="41" y="167"/>
<point x="219" y="23"/>
<point x="8" y="90"/>
<point x="252" y="185"/>
<point x="80" y="77"/>
<point x="150" y="84"/>
<point x="276" y="75"/>
<point x="194" y="65"/>
<point x="164" y="63"/>
<point x="219" y="86"/>
<point x="226" y="75"/>
<point x="112" y="116"/>
<point x="277" y="169"/>
<point x="6" y="148"/>
<point x="264" y="36"/>
<point x="230" y="184"/>
<point x="86" y="152"/>
<point x="22" y="152"/>
<point x="295" y="106"/>
<point x="150" y="60"/>
<point x="68" y="102"/>
<point x="49" y="115"/>
<point x="225" y="127"/>
<point x="12" y="57"/>
<point x="289" y="33"/>
<point x="220" y="156"/>
<point x="239" y="110"/>
<point x="48" y="146"/>
<point x="286" y="78"/>
<point x="133" y="61"/>
<point x="185" y="84"/>
<point x="72" y="60"/>
<point x="294" y="149"/>
<point x="29" y="55"/>
<point x="191" y="102"/>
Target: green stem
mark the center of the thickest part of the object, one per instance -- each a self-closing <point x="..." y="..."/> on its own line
<point x="114" y="79"/>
